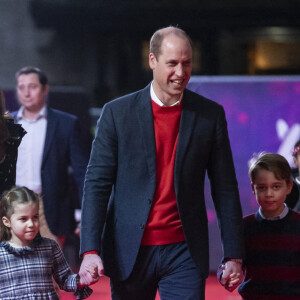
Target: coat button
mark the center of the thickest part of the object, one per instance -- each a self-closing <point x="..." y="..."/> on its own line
<point x="142" y="226"/>
<point x="150" y="201"/>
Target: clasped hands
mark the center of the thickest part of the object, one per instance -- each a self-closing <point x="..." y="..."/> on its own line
<point x="232" y="275"/>
<point x="91" y="269"/>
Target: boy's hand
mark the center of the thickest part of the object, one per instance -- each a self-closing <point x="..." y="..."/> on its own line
<point x="232" y="275"/>
<point x="233" y="282"/>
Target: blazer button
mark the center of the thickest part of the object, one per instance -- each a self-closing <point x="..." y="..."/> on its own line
<point x="150" y="201"/>
<point x="142" y="226"/>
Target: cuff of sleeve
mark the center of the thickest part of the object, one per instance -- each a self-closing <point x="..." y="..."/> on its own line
<point x="77" y="215"/>
<point x="90" y="252"/>
<point x="83" y="293"/>
<point x="237" y="260"/>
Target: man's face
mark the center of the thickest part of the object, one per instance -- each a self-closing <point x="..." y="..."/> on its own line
<point x="172" y="69"/>
<point x="31" y="93"/>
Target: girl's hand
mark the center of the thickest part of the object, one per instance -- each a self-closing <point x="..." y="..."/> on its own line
<point x="93" y="270"/>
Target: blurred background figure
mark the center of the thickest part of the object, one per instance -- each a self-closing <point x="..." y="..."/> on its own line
<point x="296" y="172"/>
<point x="293" y="199"/>
<point x="48" y="154"/>
<point x="10" y="138"/>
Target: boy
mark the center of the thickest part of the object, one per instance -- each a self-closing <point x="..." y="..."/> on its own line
<point x="272" y="236"/>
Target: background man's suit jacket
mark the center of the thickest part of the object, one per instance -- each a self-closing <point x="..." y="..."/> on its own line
<point x="123" y="162"/>
<point x="62" y="149"/>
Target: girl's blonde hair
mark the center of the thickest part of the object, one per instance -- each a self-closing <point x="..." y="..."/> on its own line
<point x="16" y="195"/>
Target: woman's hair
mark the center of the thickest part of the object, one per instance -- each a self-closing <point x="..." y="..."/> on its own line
<point x="272" y="162"/>
<point x="4" y="133"/>
<point x="16" y="195"/>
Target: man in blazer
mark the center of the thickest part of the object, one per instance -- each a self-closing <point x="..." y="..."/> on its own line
<point x="51" y="147"/>
<point x="143" y="206"/>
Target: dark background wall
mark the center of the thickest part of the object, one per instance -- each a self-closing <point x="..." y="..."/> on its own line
<point x="101" y="46"/>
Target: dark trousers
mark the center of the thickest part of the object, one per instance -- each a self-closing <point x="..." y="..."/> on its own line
<point x="169" y="268"/>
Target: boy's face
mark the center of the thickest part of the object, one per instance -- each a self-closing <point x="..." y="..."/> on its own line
<point x="270" y="193"/>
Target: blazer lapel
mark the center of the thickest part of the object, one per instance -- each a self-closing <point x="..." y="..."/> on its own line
<point x="145" y="120"/>
<point x="50" y="131"/>
<point x="187" y="121"/>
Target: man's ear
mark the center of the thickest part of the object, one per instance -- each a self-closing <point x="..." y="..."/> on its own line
<point x="46" y="89"/>
<point x="252" y="187"/>
<point x="6" y="222"/>
<point x="152" y="61"/>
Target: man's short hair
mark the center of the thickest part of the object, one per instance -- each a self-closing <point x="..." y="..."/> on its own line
<point x="43" y="79"/>
<point x="159" y="35"/>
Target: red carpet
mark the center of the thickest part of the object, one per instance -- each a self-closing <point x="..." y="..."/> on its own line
<point x="214" y="291"/>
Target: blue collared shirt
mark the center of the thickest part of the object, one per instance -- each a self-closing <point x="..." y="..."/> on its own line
<point x="281" y="216"/>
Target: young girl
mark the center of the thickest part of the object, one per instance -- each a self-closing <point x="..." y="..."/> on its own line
<point x="28" y="261"/>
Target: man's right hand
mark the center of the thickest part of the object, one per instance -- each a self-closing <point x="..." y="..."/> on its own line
<point x="90" y="261"/>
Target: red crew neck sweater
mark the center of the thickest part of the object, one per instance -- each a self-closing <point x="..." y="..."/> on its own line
<point x="164" y="225"/>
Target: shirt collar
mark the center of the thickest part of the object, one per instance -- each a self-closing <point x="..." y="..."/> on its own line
<point x="281" y="216"/>
<point x="158" y="101"/>
<point x="42" y="113"/>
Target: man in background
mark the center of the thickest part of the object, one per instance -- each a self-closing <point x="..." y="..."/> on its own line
<point x="51" y="149"/>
